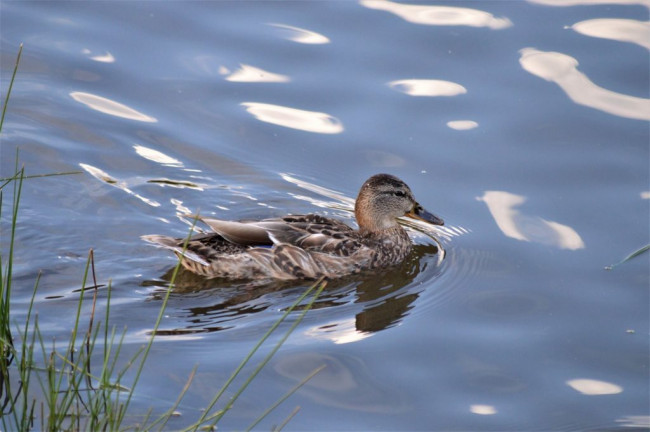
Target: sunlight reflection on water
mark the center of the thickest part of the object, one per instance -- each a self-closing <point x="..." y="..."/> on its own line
<point x="107" y="57"/>
<point x="563" y="71"/>
<point x="623" y="30"/>
<point x="309" y="121"/>
<point x="514" y="224"/>
<point x="302" y="36"/>
<point x="462" y="124"/>
<point x="592" y="387"/>
<point x="439" y="15"/>
<point x="247" y="73"/>
<point x="110" y="107"/>
<point x="421" y="87"/>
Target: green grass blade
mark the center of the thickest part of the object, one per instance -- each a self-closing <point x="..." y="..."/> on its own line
<point x="246" y="359"/>
<point x="62" y="376"/>
<point x="634" y="254"/>
<point x="165" y="417"/>
<point x="321" y="286"/>
<point x="286" y="421"/>
<point x="318" y="286"/>
<point x="161" y="313"/>
<point x="33" y="176"/>
<point x="285" y="397"/>
<point x="11" y="85"/>
<point x="6" y="285"/>
<point x="7" y="349"/>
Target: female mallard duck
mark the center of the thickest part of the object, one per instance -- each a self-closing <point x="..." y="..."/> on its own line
<point x="307" y="246"/>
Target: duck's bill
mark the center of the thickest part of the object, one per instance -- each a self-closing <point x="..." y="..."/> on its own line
<point x="421" y="214"/>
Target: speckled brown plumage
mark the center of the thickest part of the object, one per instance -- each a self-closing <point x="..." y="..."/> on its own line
<point x="306" y="246"/>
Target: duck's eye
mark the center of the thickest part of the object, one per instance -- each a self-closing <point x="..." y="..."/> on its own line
<point x="399" y="193"/>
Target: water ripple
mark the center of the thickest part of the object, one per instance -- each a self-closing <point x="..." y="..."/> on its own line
<point x="103" y="176"/>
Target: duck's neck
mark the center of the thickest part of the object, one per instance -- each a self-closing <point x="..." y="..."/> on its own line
<point x="368" y="224"/>
<point x="390" y="246"/>
<point x="390" y="232"/>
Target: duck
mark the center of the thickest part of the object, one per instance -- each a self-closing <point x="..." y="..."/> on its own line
<point x="307" y="246"/>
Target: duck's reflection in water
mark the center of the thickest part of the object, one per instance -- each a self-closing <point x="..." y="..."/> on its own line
<point x="377" y="299"/>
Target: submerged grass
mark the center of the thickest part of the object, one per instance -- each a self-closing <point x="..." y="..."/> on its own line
<point x="46" y="387"/>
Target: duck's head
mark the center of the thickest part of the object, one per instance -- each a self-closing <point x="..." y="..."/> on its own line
<point x="382" y="199"/>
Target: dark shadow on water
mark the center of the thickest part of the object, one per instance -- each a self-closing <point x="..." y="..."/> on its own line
<point x="377" y="299"/>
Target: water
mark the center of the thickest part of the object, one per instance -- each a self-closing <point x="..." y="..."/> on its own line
<point x="524" y="125"/>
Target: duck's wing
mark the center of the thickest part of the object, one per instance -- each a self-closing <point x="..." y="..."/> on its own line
<point x="311" y="232"/>
<point x="241" y="233"/>
<point x="287" y="261"/>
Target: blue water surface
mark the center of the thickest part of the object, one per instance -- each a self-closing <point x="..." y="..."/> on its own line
<point x="523" y="124"/>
